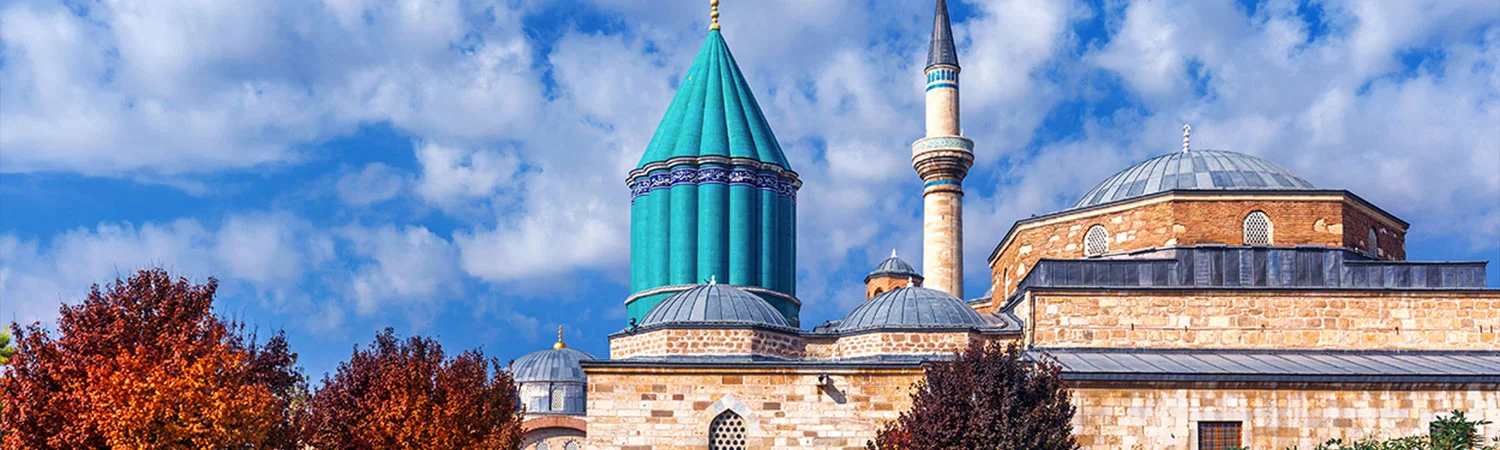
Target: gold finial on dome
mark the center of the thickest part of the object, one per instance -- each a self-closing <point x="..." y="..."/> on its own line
<point x="714" y="14"/>
<point x="559" y="345"/>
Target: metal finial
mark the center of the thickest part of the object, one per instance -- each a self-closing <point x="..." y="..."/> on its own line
<point x="713" y="279"/>
<point x="559" y="345"/>
<point x="1187" y="130"/>
<point x="893" y="253"/>
<point x="909" y="283"/>
<point x="714" y="15"/>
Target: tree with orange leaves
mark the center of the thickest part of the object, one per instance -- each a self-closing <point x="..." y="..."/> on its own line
<point x="408" y="395"/>
<point x="146" y="364"/>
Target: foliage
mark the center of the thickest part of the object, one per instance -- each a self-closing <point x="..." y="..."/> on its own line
<point x="6" y="350"/>
<point x="1452" y="432"/>
<point x="407" y="395"/>
<point x="146" y="364"/>
<point x="989" y="397"/>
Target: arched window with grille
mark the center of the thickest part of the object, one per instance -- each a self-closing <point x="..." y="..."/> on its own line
<point x="1372" y="243"/>
<point x="727" y="432"/>
<point x="1257" y="229"/>
<point x="559" y="399"/>
<point x="571" y="445"/>
<point x="1096" y="242"/>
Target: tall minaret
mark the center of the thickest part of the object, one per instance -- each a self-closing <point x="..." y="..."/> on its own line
<point x="942" y="159"/>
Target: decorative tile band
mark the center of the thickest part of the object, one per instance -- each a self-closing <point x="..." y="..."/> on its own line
<point x="942" y="84"/>
<point x="940" y="182"/>
<point x="698" y="176"/>
<point x="942" y="142"/>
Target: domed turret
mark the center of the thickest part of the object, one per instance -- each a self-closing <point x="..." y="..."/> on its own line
<point x="892" y="273"/>
<point x="911" y="308"/>
<point x="552" y="381"/>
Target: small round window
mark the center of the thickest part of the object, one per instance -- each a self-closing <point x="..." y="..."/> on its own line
<point x="1096" y="242"/>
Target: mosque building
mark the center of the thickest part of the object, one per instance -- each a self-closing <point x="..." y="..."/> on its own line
<point x="1201" y="299"/>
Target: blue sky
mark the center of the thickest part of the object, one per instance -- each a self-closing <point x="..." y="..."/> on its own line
<point x="456" y="168"/>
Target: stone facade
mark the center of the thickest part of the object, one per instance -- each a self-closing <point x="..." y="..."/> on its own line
<point x="746" y="341"/>
<point x="881" y="285"/>
<point x="1144" y="416"/>
<point x="1334" y="219"/>
<point x="554" y="433"/>
<point x="640" y="408"/>
<point x="1266" y="319"/>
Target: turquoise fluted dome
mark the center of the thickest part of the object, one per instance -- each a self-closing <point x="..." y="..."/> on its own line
<point x="713" y="196"/>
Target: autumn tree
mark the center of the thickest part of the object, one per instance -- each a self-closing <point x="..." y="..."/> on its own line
<point x="989" y="397"/>
<point x="407" y="394"/>
<point x="145" y="363"/>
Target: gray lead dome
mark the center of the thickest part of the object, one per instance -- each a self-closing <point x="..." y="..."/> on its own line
<point x="912" y="308"/>
<point x="893" y="267"/>
<point x="714" y="304"/>
<point x="1197" y="169"/>
<point x="556" y="365"/>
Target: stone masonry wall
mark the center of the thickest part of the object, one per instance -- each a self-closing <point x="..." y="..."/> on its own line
<point x="1411" y="320"/>
<point x="904" y="343"/>
<point x="662" y="408"/>
<point x="711" y="341"/>
<point x="1325" y="220"/>
<point x="881" y="285"/>
<point x="1130" y="417"/>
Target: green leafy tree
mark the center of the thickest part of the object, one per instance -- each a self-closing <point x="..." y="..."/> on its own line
<point x="1453" y="432"/>
<point x="6" y="350"/>
<point x="990" y="397"/>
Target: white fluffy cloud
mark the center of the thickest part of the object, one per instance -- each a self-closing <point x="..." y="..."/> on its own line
<point x="524" y="144"/>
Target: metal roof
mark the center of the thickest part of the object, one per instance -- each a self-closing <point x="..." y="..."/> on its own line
<point x="1197" y="169"/>
<point x="555" y="365"/>
<point x="714" y="304"/>
<point x="912" y="308"/>
<point x="1098" y="364"/>
<point x="1221" y="266"/>
<point x="942" y="51"/>
<point x="893" y="267"/>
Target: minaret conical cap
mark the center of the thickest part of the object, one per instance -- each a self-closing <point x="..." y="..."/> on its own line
<point x="942" y="51"/>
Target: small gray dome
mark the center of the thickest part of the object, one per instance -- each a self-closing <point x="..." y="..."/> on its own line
<point x="893" y="267"/>
<point x="912" y="307"/>
<point x="1197" y="169"/>
<point x="716" y="304"/>
<point x="554" y="365"/>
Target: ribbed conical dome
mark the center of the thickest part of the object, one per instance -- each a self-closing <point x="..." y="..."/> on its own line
<point x="713" y="196"/>
<point x="714" y="114"/>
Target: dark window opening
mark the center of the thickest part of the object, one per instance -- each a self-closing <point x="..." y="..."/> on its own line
<point x="1218" y="435"/>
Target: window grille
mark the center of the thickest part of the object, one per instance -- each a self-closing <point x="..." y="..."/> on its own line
<point x="559" y="401"/>
<point x="1373" y="246"/>
<point x="1218" y="435"/>
<point x="541" y="446"/>
<point x="1257" y="229"/>
<point x="727" y="432"/>
<point x="571" y="445"/>
<point x="1096" y="242"/>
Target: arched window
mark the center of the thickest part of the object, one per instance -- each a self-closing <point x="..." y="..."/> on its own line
<point x="559" y="400"/>
<point x="1374" y="247"/>
<point x="1257" y="229"/>
<point x="571" y="445"/>
<point x="541" y="446"/>
<point x="727" y="432"/>
<point x="1096" y="242"/>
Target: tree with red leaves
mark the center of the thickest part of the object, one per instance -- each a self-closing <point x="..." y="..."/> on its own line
<point x="146" y="364"/>
<point x="407" y="395"/>
<point x="989" y="397"/>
